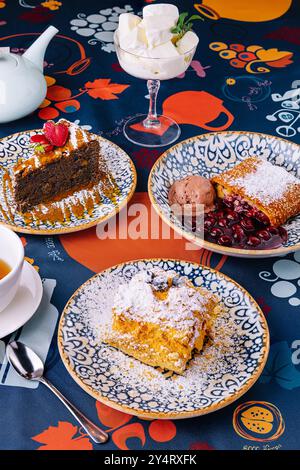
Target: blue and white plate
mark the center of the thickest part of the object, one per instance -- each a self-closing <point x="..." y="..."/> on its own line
<point x="211" y="154"/>
<point x="75" y="212"/>
<point x="227" y="367"/>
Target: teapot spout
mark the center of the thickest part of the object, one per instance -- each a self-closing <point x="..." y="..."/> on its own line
<point x="36" y="51"/>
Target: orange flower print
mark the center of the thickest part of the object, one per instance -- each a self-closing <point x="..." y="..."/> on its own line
<point x="2" y="4"/>
<point x="121" y="431"/>
<point x="103" y="88"/>
<point x="62" y="437"/>
<point x="111" y="418"/>
<point x="120" y="436"/>
<point x="253" y="59"/>
<point x="60" y="99"/>
<point x="51" y="4"/>
<point x="162" y="430"/>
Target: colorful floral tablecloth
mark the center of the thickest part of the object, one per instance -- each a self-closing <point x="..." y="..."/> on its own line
<point x="245" y="70"/>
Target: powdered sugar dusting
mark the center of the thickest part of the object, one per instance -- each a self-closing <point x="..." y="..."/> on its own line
<point x="137" y="301"/>
<point x="227" y="362"/>
<point x="267" y="183"/>
<point x="213" y="360"/>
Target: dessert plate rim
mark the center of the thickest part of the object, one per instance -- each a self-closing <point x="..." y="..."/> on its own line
<point x="78" y="228"/>
<point x="155" y="414"/>
<point x="230" y="251"/>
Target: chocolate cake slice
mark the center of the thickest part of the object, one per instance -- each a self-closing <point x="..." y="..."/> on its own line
<point x="52" y="174"/>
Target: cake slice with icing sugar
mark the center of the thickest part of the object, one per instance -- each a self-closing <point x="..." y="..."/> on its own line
<point x="160" y="318"/>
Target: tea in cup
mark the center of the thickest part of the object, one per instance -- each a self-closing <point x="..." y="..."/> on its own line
<point x="11" y="264"/>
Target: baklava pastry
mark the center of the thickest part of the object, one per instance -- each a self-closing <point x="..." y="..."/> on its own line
<point x="264" y="186"/>
<point x="160" y="318"/>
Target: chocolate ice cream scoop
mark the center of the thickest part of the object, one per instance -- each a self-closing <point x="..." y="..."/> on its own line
<point x="193" y="190"/>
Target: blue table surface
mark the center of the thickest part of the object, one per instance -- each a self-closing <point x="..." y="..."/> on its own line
<point x="32" y="418"/>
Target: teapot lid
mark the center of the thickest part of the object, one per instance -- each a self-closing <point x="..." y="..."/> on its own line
<point x="7" y="60"/>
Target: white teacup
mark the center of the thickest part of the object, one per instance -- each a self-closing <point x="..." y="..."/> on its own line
<point x="12" y="253"/>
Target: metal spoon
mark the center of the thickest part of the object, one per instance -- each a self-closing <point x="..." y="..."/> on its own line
<point x="28" y="364"/>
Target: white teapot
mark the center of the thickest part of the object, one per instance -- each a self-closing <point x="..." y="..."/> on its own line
<point x="22" y="83"/>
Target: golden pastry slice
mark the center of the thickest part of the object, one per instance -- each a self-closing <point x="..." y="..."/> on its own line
<point x="160" y="318"/>
<point x="266" y="187"/>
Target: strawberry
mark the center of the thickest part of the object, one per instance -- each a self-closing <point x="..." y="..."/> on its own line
<point x="40" y="143"/>
<point x="56" y="134"/>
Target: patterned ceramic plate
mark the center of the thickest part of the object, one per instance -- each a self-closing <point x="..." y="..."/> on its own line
<point x="83" y="209"/>
<point x="211" y="154"/>
<point x="225" y="370"/>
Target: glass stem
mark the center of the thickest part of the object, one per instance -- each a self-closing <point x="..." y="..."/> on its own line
<point x="152" y="120"/>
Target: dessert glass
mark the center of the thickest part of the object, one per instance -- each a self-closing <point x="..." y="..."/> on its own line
<point x="152" y="129"/>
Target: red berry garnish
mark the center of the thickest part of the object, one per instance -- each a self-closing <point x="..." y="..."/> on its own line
<point x="215" y="232"/>
<point x="264" y="234"/>
<point x="234" y="222"/>
<point x="247" y="225"/>
<point x="253" y="241"/>
<point x="224" y="240"/>
<point x="273" y="230"/>
<point x="222" y="222"/>
<point x="41" y="143"/>
<point x="209" y="222"/>
<point x="39" y="138"/>
<point x="237" y="206"/>
<point x="57" y="134"/>
<point x="250" y="213"/>
<point x="261" y="217"/>
<point x="283" y="233"/>
<point x="232" y="216"/>
<point x="228" y="202"/>
<point x="238" y="233"/>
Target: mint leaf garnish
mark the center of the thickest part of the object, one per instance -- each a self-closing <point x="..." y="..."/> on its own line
<point x="185" y="24"/>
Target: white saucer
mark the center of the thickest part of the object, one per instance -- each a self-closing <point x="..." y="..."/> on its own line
<point x="25" y="303"/>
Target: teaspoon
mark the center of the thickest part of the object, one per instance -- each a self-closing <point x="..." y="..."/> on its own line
<point x="29" y="366"/>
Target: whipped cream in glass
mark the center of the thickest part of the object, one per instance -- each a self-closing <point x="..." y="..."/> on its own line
<point x="148" y="49"/>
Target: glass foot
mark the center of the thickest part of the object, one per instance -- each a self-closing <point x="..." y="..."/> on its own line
<point x="157" y="136"/>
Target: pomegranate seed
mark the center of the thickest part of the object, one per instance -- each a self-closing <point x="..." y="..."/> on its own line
<point x="264" y="234"/>
<point x="238" y="206"/>
<point x="224" y="240"/>
<point x="232" y="216"/>
<point x="216" y="232"/>
<point x="209" y="222"/>
<point x="250" y="213"/>
<point x="235" y="222"/>
<point x="238" y="233"/>
<point x="273" y="230"/>
<point x="222" y="222"/>
<point x="253" y="241"/>
<point x="228" y="202"/>
<point x="261" y="217"/>
<point x="283" y="233"/>
<point x="247" y="225"/>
